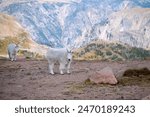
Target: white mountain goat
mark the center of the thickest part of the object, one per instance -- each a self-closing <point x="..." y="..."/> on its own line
<point x="61" y="55"/>
<point x="12" y="51"/>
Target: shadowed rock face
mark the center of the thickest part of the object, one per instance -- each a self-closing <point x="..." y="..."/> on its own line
<point x="105" y="76"/>
<point x="137" y="72"/>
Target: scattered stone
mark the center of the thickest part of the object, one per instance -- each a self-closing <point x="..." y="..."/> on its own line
<point x="105" y="76"/>
<point x="146" y="98"/>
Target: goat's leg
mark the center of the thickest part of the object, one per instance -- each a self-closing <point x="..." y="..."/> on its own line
<point x="61" y="68"/>
<point x="12" y="57"/>
<point x="9" y="55"/>
<point x="51" y="66"/>
<point x="68" y="68"/>
<point x="15" y="57"/>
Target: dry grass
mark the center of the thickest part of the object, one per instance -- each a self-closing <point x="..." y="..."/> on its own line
<point x="4" y="43"/>
<point x="139" y="81"/>
<point x="136" y="72"/>
<point x="139" y="77"/>
<point x="12" y="32"/>
<point x="130" y="78"/>
<point x="9" y="26"/>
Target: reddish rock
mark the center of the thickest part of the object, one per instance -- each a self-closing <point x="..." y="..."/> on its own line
<point x="105" y="76"/>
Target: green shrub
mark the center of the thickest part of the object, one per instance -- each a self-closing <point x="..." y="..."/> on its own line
<point x="108" y="53"/>
<point x="98" y="52"/>
<point x="114" y="57"/>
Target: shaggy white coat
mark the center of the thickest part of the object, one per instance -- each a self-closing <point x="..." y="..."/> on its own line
<point x="12" y="51"/>
<point x="61" y="55"/>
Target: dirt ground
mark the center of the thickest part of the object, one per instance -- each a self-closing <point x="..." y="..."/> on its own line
<point x="29" y="79"/>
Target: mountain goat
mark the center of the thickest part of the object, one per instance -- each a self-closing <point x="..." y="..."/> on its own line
<point x="61" y="55"/>
<point x="12" y="51"/>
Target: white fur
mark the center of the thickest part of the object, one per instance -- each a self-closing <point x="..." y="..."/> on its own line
<point x="61" y="55"/>
<point x="12" y="51"/>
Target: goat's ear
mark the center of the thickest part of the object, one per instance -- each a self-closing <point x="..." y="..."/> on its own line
<point x="69" y="51"/>
<point x="72" y="50"/>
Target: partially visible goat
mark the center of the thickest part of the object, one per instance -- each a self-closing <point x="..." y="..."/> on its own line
<point x="12" y="51"/>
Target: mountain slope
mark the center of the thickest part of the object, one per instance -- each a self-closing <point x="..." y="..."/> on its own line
<point x="131" y="26"/>
<point x="12" y="32"/>
<point x="9" y="27"/>
<point x="76" y="23"/>
<point x="112" y="51"/>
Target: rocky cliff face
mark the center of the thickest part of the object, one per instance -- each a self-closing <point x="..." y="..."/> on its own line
<point x="128" y="26"/>
<point x="78" y="22"/>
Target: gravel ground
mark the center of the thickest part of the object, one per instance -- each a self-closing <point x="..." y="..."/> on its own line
<point x="29" y="79"/>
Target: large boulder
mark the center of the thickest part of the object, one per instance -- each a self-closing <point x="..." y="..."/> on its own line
<point x="105" y="76"/>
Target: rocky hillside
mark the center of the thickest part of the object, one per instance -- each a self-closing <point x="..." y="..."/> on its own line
<point x="113" y="51"/>
<point x="12" y="32"/>
<point x="129" y="26"/>
<point x="78" y="22"/>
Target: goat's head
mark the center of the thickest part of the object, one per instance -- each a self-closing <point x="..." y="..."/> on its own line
<point x="17" y="47"/>
<point x="69" y="54"/>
